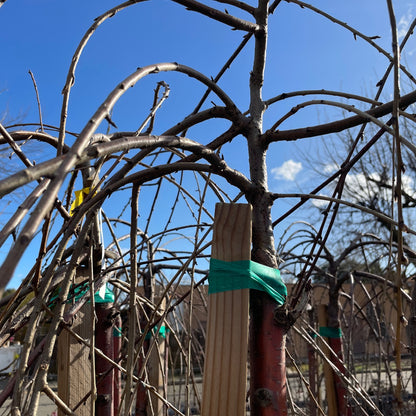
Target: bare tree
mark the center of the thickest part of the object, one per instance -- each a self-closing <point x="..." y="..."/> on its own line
<point x="126" y="181"/>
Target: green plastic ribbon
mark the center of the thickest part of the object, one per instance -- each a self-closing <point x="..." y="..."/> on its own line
<point x="329" y="332"/>
<point x="162" y="332"/>
<point x="117" y="332"/>
<point x="246" y="274"/>
<point x="106" y="296"/>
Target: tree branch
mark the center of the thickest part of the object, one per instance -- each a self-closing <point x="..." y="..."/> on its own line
<point x="335" y="126"/>
<point x="70" y="78"/>
<point x="228" y="19"/>
<point x="239" y="4"/>
<point x="359" y="207"/>
<point x="48" y="168"/>
<point x="285" y="95"/>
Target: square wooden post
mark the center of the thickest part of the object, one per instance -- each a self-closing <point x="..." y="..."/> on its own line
<point x="74" y="365"/>
<point x="225" y="368"/>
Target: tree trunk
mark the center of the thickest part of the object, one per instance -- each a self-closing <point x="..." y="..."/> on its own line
<point x="103" y="369"/>
<point x="412" y="339"/>
<point x="267" y="358"/>
<point x="267" y="337"/>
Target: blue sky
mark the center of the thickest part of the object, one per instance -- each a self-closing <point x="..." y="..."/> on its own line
<point x="306" y="51"/>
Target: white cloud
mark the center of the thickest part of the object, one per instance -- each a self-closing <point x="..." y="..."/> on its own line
<point x="331" y="168"/>
<point x="319" y="203"/>
<point x="287" y="171"/>
<point x="362" y="189"/>
<point x="404" y="23"/>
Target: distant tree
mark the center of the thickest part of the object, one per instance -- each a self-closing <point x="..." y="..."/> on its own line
<point x="371" y="184"/>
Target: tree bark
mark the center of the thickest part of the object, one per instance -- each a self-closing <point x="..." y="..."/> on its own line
<point x="267" y="337"/>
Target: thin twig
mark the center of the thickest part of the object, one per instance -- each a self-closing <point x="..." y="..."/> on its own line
<point x="37" y="100"/>
<point x="57" y="400"/>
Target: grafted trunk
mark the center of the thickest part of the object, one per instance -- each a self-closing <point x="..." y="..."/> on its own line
<point x="267" y="334"/>
<point x="267" y="358"/>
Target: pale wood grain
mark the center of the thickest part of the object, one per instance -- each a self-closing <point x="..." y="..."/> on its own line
<point x="225" y="371"/>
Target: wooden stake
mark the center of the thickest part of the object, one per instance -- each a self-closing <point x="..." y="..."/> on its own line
<point x="74" y="367"/>
<point x="117" y="343"/>
<point x="225" y="368"/>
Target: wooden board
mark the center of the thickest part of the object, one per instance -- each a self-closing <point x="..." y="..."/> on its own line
<point x="225" y="369"/>
<point x="74" y="365"/>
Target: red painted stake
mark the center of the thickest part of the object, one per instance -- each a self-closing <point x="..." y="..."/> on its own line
<point x="166" y="368"/>
<point x="103" y="369"/>
<point x="341" y="391"/>
<point x="142" y="395"/>
<point x="312" y="380"/>
<point x="312" y="370"/>
<point x="267" y="358"/>
<point x="117" y="342"/>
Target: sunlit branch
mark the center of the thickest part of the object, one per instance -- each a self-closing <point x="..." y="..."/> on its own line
<point x="291" y="94"/>
<point x="241" y="5"/>
<point x="48" y="168"/>
<point x="37" y="99"/>
<point x="70" y="78"/>
<point x="226" y="66"/>
<point x="32" y="135"/>
<point x="273" y="6"/>
<point x="75" y="153"/>
<point x="157" y="103"/>
<point x="335" y="126"/>
<point x="215" y="14"/>
<point x="16" y="149"/>
<point x="358" y="207"/>
<point x="347" y="107"/>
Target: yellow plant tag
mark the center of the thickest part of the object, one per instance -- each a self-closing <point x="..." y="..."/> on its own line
<point x="79" y="198"/>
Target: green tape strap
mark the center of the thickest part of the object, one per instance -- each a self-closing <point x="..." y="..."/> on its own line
<point x="106" y="297"/>
<point x="246" y="274"/>
<point x="101" y="296"/>
<point x="162" y="332"/>
<point x="117" y="332"/>
<point x="329" y="332"/>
